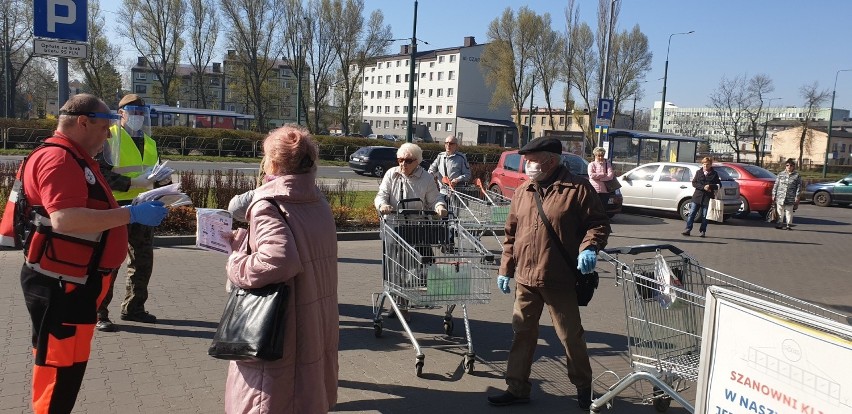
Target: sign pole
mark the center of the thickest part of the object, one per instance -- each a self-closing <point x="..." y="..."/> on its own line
<point x="62" y="74"/>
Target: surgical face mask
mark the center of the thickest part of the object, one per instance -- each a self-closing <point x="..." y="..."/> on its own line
<point x="533" y="170"/>
<point x="135" y="122"/>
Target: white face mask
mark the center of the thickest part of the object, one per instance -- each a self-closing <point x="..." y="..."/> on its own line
<point x="533" y="170"/>
<point x="135" y="122"/>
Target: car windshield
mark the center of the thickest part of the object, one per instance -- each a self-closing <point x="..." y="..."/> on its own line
<point x="723" y="175"/>
<point x="361" y="152"/>
<point x="758" y="172"/>
<point x="575" y="164"/>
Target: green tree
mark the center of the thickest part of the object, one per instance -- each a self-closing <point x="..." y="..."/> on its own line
<point x="16" y="37"/>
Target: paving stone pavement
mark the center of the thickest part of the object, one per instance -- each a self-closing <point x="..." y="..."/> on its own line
<point x="164" y="368"/>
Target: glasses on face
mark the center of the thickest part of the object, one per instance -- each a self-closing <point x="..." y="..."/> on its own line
<point x="449" y="143"/>
<point x="405" y="161"/>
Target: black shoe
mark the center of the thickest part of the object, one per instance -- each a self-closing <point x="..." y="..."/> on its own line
<point x="779" y="227"/>
<point x="701" y="235"/>
<point x="507" y="398"/>
<point x="686" y="233"/>
<point x="143" y="317"/>
<point x="105" y="325"/>
<point x="789" y="227"/>
<point x="584" y="398"/>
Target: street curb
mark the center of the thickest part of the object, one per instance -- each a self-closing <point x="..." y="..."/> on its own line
<point x="170" y="241"/>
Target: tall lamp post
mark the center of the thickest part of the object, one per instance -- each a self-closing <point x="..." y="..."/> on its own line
<point x="759" y="150"/>
<point x="409" y="133"/>
<point x="666" y="76"/>
<point x="830" y="118"/>
<point x="603" y="92"/>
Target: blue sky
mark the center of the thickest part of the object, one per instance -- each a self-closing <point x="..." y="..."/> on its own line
<point x="793" y="42"/>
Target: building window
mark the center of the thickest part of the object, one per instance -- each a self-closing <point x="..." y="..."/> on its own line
<point x="396" y="123"/>
<point x="380" y="79"/>
<point x="141" y="89"/>
<point x="437" y="126"/>
<point x="561" y="120"/>
<point x="366" y="78"/>
<point x="422" y="107"/>
<point x="397" y="78"/>
<point x="449" y="110"/>
<point x="371" y="95"/>
<point x="405" y="94"/>
<point x="431" y="64"/>
<point x="451" y="75"/>
<point x="397" y="63"/>
<point x="422" y="75"/>
<point x="452" y="59"/>
<point x="387" y="109"/>
<point x="387" y="94"/>
<point x="387" y="123"/>
<point x="396" y="109"/>
<point x="406" y="77"/>
<point x="543" y="118"/>
<point x="141" y="75"/>
<point x="526" y="118"/>
<point x="387" y="79"/>
<point x="422" y="91"/>
<point x="430" y="93"/>
<point x="405" y="109"/>
<point x="397" y="94"/>
<point x="429" y="109"/>
<point x="440" y="59"/>
<point x="430" y="75"/>
<point x="438" y="109"/>
<point x="440" y="92"/>
<point x="440" y="75"/>
<point x="404" y="123"/>
<point x="449" y="125"/>
<point x="380" y="65"/>
<point x="450" y="91"/>
<point x="428" y="125"/>
<point x="406" y="63"/>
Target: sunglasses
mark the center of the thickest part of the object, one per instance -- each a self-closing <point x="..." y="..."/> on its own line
<point x="450" y="143"/>
<point x="405" y="160"/>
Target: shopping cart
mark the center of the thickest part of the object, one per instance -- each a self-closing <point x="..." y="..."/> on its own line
<point x="430" y="262"/>
<point x="479" y="210"/>
<point x="664" y="292"/>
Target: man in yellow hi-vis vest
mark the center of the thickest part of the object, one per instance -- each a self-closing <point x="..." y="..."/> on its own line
<point x="137" y="152"/>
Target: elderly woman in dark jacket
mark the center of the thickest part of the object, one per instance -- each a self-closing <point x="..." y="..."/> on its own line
<point x="706" y="182"/>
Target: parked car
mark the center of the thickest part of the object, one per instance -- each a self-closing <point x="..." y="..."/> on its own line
<point x="510" y="174"/>
<point x="826" y="194"/>
<point x="375" y="160"/>
<point x="755" y="186"/>
<point x="390" y="137"/>
<point x="668" y="186"/>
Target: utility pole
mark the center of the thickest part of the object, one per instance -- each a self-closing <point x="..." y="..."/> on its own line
<point x="409" y="133"/>
<point x="666" y="76"/>
<point x="603" y="91"/>
<point x="830" y="118"/>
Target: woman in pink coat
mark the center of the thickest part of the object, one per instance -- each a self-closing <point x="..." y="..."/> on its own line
<point x="600" y="170"/>
<point x="302" y="252"/>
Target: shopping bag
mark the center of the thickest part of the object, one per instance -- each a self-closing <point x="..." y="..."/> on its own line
<point x="447" y="280"/>
<point x="715" y="210"/>
<point x="772" y="214"/>
<point x="252" y="325"/>
<point x="667" y="294"/>
<point x="612" y="185"/>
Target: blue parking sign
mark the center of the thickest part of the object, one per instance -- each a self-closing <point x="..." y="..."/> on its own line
<point x="61" y="19"/>
<point x="605" y="108"/>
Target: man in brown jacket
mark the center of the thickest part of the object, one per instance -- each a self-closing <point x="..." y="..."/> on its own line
<point x="542" y="275"/>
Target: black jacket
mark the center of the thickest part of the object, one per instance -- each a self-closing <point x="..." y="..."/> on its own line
<point x="700" y="196"/>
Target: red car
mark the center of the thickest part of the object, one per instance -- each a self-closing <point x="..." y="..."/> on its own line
<point x="755" y="186"/>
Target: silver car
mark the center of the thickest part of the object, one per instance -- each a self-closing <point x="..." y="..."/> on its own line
<point x="668" y="186"/>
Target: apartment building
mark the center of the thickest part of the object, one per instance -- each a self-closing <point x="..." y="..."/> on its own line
<point x="542" y="125"/>
<point x="450" y="97"/>
<point x="785" y="144"/>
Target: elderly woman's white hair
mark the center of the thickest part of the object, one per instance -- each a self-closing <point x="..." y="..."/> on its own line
<point x="599" y="150"/>
<point x="410" y="150"/>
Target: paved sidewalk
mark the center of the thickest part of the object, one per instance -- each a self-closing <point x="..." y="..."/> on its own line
<point x="164" y="368"/>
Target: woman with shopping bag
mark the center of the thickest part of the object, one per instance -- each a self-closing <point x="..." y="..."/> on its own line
<point x="602" y="176"/>
<point x="706" y="181"/>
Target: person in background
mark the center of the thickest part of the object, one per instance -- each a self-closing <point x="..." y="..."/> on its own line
<point x="137" y="152"/>
<point x="451" y="164"/>
<point x="706" y="181"/>
<point x="81" y="240"/>
<point x="600" y="171"/>
<point x="292" y="239"/>
<point x="409" y="181"/>
<point x="543" y="276"/>
<point x="785" y="194"/>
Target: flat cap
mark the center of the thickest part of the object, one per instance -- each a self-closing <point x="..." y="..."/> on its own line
<point x="542" y="144"/>
<point x="131" y="99"/>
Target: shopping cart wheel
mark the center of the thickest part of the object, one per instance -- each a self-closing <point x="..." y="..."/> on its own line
<point x="468" y="363"/>
<point x="418" y="366"/>
<point x="377" y="328"/>
<point x="661" y="400"/>
<point x="448" y="326"/>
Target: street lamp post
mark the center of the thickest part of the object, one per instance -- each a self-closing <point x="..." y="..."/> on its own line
<point x="603" y="91"/>
<point x="409" y="133"/>
<point x="759" y="150"/>
<point x="666" y="76"/>
<point x="830" y="118"/>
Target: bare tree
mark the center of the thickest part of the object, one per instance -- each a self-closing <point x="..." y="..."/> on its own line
<point x="16" y="36"/>
<point x="759" y="86"/>
<point x="507" y="59"/>
<point x="354" y="45"/>
<point x="203" y="28"/>
<point x="98" y="69"/>
<point x="601" y="40"/>
<point x="814" y="98"/>
<point x="688" y="125"/>
<point x="295" y="47"/>
<point x="585" y="65"/>
<point x="730" y="100"/>
<point x="37" y="86"/>
<point x="550" y="44"/>
<point x="319" y="33"/>
<point x="631" y="61"/>
<point x="572" y="16"/>
<point x="155" y="29"/>
<point x="253" y="34"/>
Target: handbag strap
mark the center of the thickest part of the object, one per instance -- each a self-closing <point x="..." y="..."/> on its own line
<point x="553" y="236"/>
<point x="278" y="209"/>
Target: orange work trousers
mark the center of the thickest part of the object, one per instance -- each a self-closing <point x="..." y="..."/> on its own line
<point x="63" y="322"/>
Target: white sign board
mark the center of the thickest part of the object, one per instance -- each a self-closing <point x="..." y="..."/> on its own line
<point x="71" y="50"/>
<point x="758" y="357"/>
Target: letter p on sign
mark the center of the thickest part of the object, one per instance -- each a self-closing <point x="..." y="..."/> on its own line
<point x="69" y="17"/>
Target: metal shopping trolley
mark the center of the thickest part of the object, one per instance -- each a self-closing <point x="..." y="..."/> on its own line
<point x="664" y="292"/>
<point x="480" y="211"/>
<point x="430" y="262"/>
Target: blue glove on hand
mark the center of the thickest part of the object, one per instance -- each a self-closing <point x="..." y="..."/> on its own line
<point x="149" y="213"/>
<point x="503" y="283"/>
<point x="586" y="261"/>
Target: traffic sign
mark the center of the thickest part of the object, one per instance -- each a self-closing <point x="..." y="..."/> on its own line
<point x="71" y="50"/>
<point x="61" y="19"/>
<point x="605" y="108"/>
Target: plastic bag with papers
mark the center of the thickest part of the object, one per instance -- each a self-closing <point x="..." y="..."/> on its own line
<point x="170" y="195"/>
<point x="667" y="294"/>
<point x="159" y="172"/>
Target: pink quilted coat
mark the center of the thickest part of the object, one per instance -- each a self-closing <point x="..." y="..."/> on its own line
<point x="302" y="252"/>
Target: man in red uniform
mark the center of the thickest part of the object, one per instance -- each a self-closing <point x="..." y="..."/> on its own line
<point x="78" y="237"/>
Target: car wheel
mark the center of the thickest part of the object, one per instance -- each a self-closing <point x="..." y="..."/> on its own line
<point x="744" y="210"/>
<point x="683" y="208"/>
<point x="822" y="199"/>
<point x="379" y="171"/>
<point x="495" y="189"/>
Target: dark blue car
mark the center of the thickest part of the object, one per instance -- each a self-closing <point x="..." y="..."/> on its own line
<point x="826" y="194"/>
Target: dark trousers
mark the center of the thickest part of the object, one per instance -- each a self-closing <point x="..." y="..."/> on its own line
<point x="141" y="254"/>
<point x="604" y="199"/>
<point x="63" y="319"/>
<point x="565" y="314"/>
<point x="694" y="210"/>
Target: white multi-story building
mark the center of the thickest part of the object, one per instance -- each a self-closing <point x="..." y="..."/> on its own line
<point x="450" y="97"/>
<point x="706" y="122"/>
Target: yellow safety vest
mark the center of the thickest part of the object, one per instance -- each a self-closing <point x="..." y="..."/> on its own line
<point x="132" y="163"/>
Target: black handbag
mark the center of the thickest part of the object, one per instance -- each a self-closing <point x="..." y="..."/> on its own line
<point x="613" y="184"/>
<point x="586" y="284"/>
<point x="252" y="325"/>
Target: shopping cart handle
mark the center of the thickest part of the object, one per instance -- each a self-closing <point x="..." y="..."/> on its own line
<point x="643" y="248"/>
<point x="413" y="211"/>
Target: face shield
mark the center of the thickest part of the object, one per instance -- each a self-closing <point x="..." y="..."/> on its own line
<point x="110" y="153"/>
<point x="136" y="120"/>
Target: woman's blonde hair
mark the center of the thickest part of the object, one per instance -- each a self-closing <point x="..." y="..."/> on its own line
<point x="707" y="159"/>
<point x="291" y="150"/>
<point x="599" y="150"/>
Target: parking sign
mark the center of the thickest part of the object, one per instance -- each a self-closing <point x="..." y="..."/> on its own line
<point x="605" y="108"/>
<point x="61" y="19"/>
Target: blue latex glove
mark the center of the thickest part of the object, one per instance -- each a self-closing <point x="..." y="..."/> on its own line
<point x="503" y="283"/>
<point x="149" y="213"/>
<point x="586" y="261"/>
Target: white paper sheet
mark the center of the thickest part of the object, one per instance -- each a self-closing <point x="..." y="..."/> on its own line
<point x="212" y="225"/>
